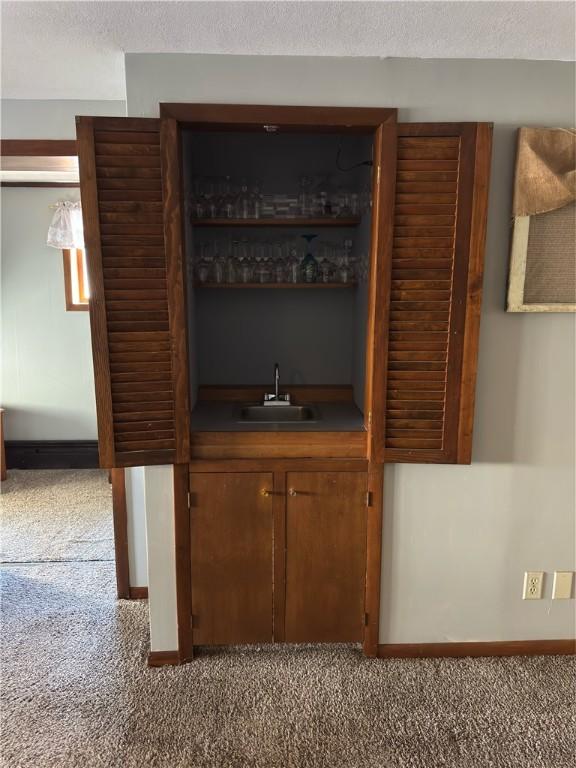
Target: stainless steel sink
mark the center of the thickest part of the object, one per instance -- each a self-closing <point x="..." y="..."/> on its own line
<point x="278" y="413"/>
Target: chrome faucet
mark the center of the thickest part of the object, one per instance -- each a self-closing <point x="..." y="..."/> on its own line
<point x="276" y="397"/>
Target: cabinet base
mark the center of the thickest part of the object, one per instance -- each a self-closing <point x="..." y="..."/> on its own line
<point x="163" y="658"/>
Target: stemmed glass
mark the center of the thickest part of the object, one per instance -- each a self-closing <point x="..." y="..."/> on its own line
<point x="204" y="267"/>
<point x="256" y="199"/>
<point x="309" y="263"/>
<point x="243" y="201"/>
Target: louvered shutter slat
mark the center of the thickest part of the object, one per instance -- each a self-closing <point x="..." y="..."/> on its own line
<point x="134" y="337"/>
<point x="439" y="223"/>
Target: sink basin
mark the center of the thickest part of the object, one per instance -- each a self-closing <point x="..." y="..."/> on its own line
<point x="278" y="413"/>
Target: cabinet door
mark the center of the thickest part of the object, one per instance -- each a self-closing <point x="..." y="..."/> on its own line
<point x="325" y="556"/>
<point x="129" y="182"/>
<point x="430" y="346"/>
<point x="232" y="531"/>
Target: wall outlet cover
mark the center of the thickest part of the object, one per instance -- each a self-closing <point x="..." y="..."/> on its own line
<point x="533" y="581"/>
<point x="562" y="589"/>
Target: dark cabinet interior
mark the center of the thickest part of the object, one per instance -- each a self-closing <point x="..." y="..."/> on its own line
<point x="251" y="302"/>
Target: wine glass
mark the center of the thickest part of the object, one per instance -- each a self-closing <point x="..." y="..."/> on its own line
<point x="309" y="263"/>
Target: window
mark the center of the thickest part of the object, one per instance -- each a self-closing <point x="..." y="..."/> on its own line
<point x="75" y="279"/>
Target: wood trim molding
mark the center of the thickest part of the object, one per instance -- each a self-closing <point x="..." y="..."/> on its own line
<point x="138" y="593"/>
<point x="384" y="185"/>
<point x="375" y="513"/>
<point x="71" y="305"/>
<point x="38" y="148"/>
<point x="175" y="279"/>
<point x="279" y="465"/>
<point x="120" y="520"/>
<point x="97" y="306"/>
<point x="342" y="119"/>
<point x="162" y="658"/>
<point x="266" y="445"/>
<point x="183" y="556"/>
<point x="463" y="235"/>
<point x="485" y="648"/>
<point x="479" y="215"/>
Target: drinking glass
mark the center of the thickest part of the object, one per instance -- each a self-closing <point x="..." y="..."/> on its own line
<point x="309" y="263"/>
<point x="365" y="199"/>
<point x="228" y="198"/>
<point x="198" y="200"/>
<point x="324" y="271"/>
<point x="278" y="270"/>
<point x="204" y="267"/>
<point x="344" y="208"/>
<point x="305" y="196"/>
<point x="243" y="201"/>
<point x="294" y="266"/>
<point x="256" y="199"/>
<point x="210" y="197"/>
<point x="219" y="262"/>
<point x="244" y="269"/>
<point x="355" y="204"/>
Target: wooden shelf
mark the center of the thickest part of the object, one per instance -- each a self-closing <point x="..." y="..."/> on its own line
<point x="302" y="223"/>
<point x="276" y="285"/>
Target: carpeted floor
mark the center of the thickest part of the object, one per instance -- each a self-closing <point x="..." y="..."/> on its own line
<point x="76" y="690"/>
<point x="56" y="515"/>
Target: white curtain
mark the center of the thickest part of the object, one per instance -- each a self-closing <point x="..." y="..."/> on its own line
<point x="66" y="229"/>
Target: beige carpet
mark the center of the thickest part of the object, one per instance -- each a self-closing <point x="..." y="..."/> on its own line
<point x="76" y="692"/>
<point x="56" y="515"/>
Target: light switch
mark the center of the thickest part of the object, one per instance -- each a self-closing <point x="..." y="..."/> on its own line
<point x="562" y="589"/>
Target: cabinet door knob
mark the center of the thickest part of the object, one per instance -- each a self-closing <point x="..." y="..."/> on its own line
<point x="265" y="492"/>
<point x="292" y="492"/>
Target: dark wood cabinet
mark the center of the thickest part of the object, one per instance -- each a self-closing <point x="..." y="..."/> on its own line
<point x="435" y="289"/>
<point x="278" y="557"/>
<point x="268" y="564"/>
<point x="232" y="534"/>
<point x="325" y="557"/>
<point x="137" y="303"/>
<point x="428" y="223"/>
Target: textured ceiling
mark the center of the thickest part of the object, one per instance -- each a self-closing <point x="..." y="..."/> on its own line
<point x="75" y="50"/>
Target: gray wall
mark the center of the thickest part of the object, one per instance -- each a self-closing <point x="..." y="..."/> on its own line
<point x="47" y="385"/>
<point x="242" y="333"/>
<point x="51" y="118"/>
<point x="456" y="539"/>
<point x="47" y="379"/>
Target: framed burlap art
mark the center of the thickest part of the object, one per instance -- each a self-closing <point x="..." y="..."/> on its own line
<point x="543" y="253"/>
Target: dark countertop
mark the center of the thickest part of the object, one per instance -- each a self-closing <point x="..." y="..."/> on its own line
<point x="224" y="417"/>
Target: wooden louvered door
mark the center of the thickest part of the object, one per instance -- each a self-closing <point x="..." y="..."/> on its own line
<point x="430" y="348"/>
<point x="130" y="181"/>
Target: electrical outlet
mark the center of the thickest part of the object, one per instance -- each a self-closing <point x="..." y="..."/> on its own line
<point x="533" y="581"/>
<point x="562" y="589"/>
